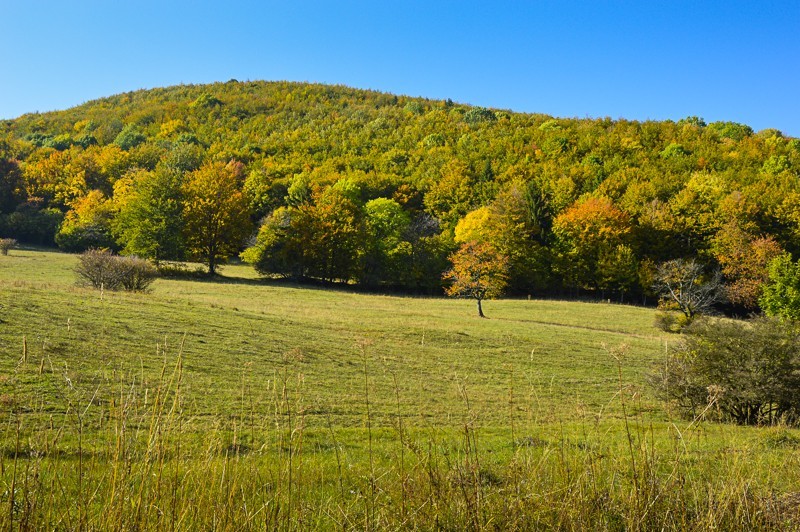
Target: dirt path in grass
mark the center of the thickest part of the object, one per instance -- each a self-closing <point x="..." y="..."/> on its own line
<point x="588" y="328"/>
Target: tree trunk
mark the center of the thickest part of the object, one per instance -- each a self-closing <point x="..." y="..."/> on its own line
<point x="480" y="309"/>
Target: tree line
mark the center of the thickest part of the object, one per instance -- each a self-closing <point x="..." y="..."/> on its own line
<point x="337" y="184"/>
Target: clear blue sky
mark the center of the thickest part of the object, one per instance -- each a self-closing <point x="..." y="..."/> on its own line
<point x="722" y="60"/>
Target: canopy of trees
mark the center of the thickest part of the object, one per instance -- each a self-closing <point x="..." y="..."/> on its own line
<point x="376" y="189"/>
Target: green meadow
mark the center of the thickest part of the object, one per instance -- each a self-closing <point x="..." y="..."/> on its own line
<point x="239" y="403"/>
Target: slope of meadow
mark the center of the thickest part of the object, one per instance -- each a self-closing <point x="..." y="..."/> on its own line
<point x="237" y="403"/>
<point x="236" y="328"/>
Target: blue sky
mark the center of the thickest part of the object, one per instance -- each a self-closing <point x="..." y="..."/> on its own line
<point x="733" y="60"/>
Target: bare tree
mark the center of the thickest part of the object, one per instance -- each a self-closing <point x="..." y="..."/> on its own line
<point x="685" y="284"/>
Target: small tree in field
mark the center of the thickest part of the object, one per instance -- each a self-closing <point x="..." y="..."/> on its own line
<point x="682" y="283"/>
<point x="479" y="272"/>
<point x="6" y="244"/>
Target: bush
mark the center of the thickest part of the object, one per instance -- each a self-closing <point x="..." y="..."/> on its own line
<point x="670" y="321"/>
<point x="6" y="244"/>
<point x="742" y="371"/>
<point x="136" y="274"/>
<point x="102" y="269"/>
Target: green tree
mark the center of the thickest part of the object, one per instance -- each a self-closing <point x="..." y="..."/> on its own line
<point x="337" y="235"/>
<point x="385" y="251"/>
<point x="781" y="296"/>
<point x="216" y="213"/>
<point x="282" y="246"/>
<point x="129" y="137"/>
<point x="150" y="218"/>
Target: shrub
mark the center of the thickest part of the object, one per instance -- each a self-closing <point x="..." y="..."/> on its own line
<point x="743" y="371"/>
<point x="6" y="244"/>
<point x="102" y="269"/>
<point x="136" y="274"/>
<point x="669" y="321"/>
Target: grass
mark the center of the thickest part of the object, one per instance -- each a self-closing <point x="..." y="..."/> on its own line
<point x="237" y="404"/>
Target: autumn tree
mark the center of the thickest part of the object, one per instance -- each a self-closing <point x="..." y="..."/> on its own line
<point x="87" y="224"/>
<point x="337" y="233"/>
<point x="744" y="261"/>
<point x="590" y="236"/>
<point x="509" y="223"/>
<point x="216" y="213"/>
<point x="479" y="272"/>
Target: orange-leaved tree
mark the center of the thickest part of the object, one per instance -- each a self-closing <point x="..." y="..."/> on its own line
<point x="591" y="234"/>
<point x="216" y="213"/>
<point x="745" y="261"/>
<point x="479" y="272"/>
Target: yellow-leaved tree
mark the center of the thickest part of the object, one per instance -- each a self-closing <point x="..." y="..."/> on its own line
<point x="216" y="213"/>
<point x="479" y="272"/>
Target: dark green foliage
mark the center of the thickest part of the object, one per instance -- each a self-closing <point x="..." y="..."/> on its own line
<point x="692" y="120"/>
<point x="280" y="247"/>
<point x="31" y="224"/>
<point x="38" y="139"/>
<point x="479" y="114"/>
<point x="11" y="192"/>
<point x="86" y="140"/>
<point x="129" y="137"/>
<point x="81" y="238"/>
<point x="60" y="142"/>
<point x="746" y="372"/>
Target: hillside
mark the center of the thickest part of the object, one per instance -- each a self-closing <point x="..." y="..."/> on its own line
<point x="230" y="403"/>
<point x="377" y="189"/>
<point x="236" y="328"/>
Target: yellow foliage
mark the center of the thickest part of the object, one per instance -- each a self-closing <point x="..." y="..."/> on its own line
<point x="475" y="226"/>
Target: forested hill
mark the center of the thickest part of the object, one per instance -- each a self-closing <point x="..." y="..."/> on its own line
<point x="379" y="189"/>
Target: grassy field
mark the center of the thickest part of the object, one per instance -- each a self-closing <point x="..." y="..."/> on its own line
<point x="235" y="403"/>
